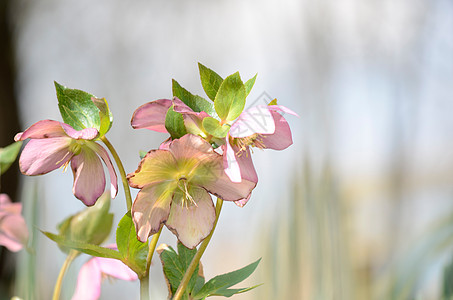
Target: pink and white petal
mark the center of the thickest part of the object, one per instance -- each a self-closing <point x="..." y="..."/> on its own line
<point x="242" y="202"/>
<point x="257" y="119"/>
<point x="88" y="282"/>
<point x="192" y="224"/>
<point x="151" y="115"/>
<point x="115" y="268"/>
<point x="41" y="156"/>
<point x="106" y="158"/>
<point x="13" y="232"/>
<point x="246" y="166"/>
<point x="84" y="134"/>
<point x="42" y="130"/>
<point x="230" y="163"/>
<point x="228" y="190"/>
<point x="156" y="166"/>
<point x="282" y="138"/>
<point x="282" y="109"/>
<point x="89" y="178"/>
<point x="151" y="208"/>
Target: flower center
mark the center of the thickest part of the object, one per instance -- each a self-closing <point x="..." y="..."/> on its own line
<point x="254" y="140"/>
<point x="187" y="199"/>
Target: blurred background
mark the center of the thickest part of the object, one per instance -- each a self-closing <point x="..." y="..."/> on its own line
<point x="359" y="207"/>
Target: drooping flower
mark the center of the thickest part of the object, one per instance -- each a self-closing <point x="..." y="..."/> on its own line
<point x="92" y="272"/>
<point x="175" y="184"/>
<point x="54" y="144"/>
<point x="13" y="230"/>
<point x="260" y="126"/>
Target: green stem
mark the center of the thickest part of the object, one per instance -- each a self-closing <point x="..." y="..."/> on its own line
<point x="144" y="282"/>
<point x="144" y="288"/>
<point x="127" y="191"/>
<point x="196" y="259"/>
<point x="57" y="290"/>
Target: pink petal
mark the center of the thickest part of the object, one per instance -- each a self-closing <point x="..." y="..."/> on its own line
<point x="192" y="224"/>
<point x="85" y="134"/>
<point x="257" y="119"/>
<point x="246" y="166"/>
<point x="8" y="207"/>
<point x="13" y="232"/>
<point x="193" y="122"/>
<point x="156" y="166"/>
<point x="41" y="156"/>
<point x="89" y="178"/>
<point x="192" y="146"/>
<point x="151" y="115"/>
<point x="282" y="109"/>
<point x="41" y="130"/>
<point x="180" y="106"/>
<point x="165" y="144"/>
<point x="242" y="202"/>
<point x="106" y="158"/>
<point x="230" y="162"/>
<point x="281" y="139"/>
<point x="151" y="209"/>
<point x="115" y="268"/>
<point x="88" y="282"/>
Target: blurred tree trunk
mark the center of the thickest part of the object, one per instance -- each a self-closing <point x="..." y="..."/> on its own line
<point x="9" y="126"/>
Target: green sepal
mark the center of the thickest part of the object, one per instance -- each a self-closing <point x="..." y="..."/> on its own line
<point x="8" y="155"/>
<point x="195" y="102"/>
<point x="77" y="109"/>
<point x="249" y="85"/>
<point x="133" y="252"/>
<point x="91" y="225"/>
<point x="174" y="123"/>
<point x="210" y="81"/>
<point x="230" y="99"/>
<point x="213" y="127"/>
<point x="175" y="264"/>
<point x="273" y="102"/>
<point x="218" y="286"/>
<point x="142" y="153"/>
<point x="87" y="248"/>
<point x="105" y="115"/>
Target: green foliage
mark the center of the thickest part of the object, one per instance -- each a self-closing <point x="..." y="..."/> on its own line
<point x="87" y="248"/>
<point x="77" y="109"/>
<point x="219" y="285"/>
<point x="133" y="252"/>
<point x="105" y="115"/>
<point x="175" y="265"/>
<point x="249" y="84"/>
<point x="230" y="99"/>
<point x="174" y="123"/>
<point x="210" y="81"/>
<point x="213" y="127"/>
<point x="195" y="102"/>
<point x="92" y="225"/>
<point x="8" y="155"/>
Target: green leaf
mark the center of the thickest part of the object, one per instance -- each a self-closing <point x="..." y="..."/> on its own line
<point x="90" y="249"/>
<point x="77" y="109"/>
<point x="175" y="265"/>
<point x="213" y="127"/>
<point x="174" y="123"/>
<point x="219" y="285"/>
<point x="105" y="115"/>
<point x="210" y="81"/>
<point x="142" y="153"/>
<point x="249" y="85"/>
<point x="133" y="252"/>
<point x="231" y="292"/>
<point x="195" y="102"/>
<point x="230" y="99"/>
<point x="8" y="155"/>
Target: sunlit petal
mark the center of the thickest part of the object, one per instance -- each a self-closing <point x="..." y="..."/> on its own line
<point x="151" y="115"/>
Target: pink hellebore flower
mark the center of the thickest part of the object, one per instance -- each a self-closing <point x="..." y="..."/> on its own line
<point x="54" y="144"/>
<point x="13" y="230"/>
<point x="175" y="184"/>
<point x="91" y="274"/>
<point x="260" y="126"/>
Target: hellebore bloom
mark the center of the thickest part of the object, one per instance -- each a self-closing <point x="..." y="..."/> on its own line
<point x="260" y="126"/>
<point x="13" y="230"/>
<point x="175" y="184"/>
<point x="54" y="144"/>
<point x="91" y="274"/>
